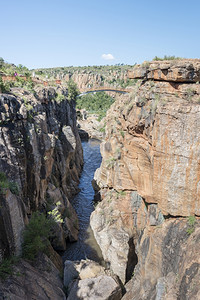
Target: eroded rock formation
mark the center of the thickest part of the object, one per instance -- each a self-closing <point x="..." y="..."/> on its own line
<point x="149" y="183"/>
<point x="40" y="163"/>
<point x="86" y="279"/>
<point x="41" y="156"/>
<point x="41" y="281"/>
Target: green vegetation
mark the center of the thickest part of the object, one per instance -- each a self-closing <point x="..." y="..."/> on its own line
<point x="191" y="222"/>
<point x="103" y="129"/>
<point x="11" y="69"/>
<point x="55" y="213"/>
<point x="36" y="236"/>
<point x="8" y="69"/>
<point x="59" y="98"/>
<point x="97" y="103"/>
<point x="103" y="71"/>
<point x="27" y="105"/>
<point x="121" y="82"/>
<point x="73" y="91"/>
<point x="190" y="92"/>
<point x="6" y="267"/>
<point x="110" y="162"/>
<point x="166" y="57"/>
<point x="122" y="133"/>
<point x="5" y="184"/>
<point x="4" y="87"/>
<point x="122" y="193"/>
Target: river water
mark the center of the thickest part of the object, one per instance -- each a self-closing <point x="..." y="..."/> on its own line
<point x="86" y="246"/>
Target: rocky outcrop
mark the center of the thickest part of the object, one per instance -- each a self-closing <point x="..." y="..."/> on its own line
<point x="149" y="182"/>
<point x="81" y="269"/>
<point x="91" y="77"/>
<point x="176" y="71"/>
<point x="99" y="288"/>
<point x="86" y="279"/>
<point x="87" y="79"/>
<point x="40" y="163"/>
<point x="168" y="263"/>
<point x="90" y="127"/>
<point x="41" y="281"/>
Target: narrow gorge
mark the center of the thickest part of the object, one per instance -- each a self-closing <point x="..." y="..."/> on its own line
<point x="145" y="217"/>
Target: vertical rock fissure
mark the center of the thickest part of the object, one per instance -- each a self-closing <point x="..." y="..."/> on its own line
<point x="132" y="260"/>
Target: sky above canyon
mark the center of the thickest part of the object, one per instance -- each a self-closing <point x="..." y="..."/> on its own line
<point x="50" y="33"/>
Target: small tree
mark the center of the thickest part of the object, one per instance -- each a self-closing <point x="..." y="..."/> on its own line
<point x="4" y="87"/>
<point x="36" y="236"/>
<point x="1" y="62"/>
<point x="73" y="91"/>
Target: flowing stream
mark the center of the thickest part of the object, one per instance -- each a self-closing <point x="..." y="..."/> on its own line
<point x="86" y="246"/>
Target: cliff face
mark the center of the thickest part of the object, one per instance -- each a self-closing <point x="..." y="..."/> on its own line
<point x="40" y="161"/>
<point x="86" y="79"/>
<point x="149" y="180"/>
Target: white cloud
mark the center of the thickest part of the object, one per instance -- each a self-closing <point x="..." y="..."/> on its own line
<point x="107" y="56"/>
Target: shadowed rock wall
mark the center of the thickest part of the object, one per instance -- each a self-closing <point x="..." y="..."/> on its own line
<point x="41" y="157"/>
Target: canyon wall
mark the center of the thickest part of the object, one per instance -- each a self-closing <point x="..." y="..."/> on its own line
<point x="86" y="79"/>
<point x="147" y="223"/>
<point x="40" y="162"/>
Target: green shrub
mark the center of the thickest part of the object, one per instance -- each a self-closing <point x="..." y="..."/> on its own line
<point x="6" y="184"/>
<point x="60" y="98"/>
<point x="110" y="162"/>
<point x="4" y="87"/>
<point x="166" y="57"/>
<point x="122" y="133"/>
<point x="36" y="236"/>
<point x="6" y="267"/>
<point x="55" y="214"/>
<point x="191" y="222"/>
<point x="73" y="91"/>
<point x="122" y="193"/>
<point x="13" y="186"/>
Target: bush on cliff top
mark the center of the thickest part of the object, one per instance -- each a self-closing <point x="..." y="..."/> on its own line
<point x="166" y="57"/>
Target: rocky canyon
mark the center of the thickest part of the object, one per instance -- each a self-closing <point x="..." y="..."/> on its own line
<point x="146" y="220"/>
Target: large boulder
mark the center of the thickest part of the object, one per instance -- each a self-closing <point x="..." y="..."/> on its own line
<point x="99" y="288"/>
<point x="81" y="269"/>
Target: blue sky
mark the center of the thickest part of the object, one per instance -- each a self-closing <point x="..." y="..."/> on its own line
<point x="56" y="33"/>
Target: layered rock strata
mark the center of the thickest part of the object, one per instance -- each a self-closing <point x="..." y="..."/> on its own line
<point x="148" y="219"/>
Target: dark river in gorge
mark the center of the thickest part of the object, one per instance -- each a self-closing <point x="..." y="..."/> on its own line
<point x="86" y="246"/>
